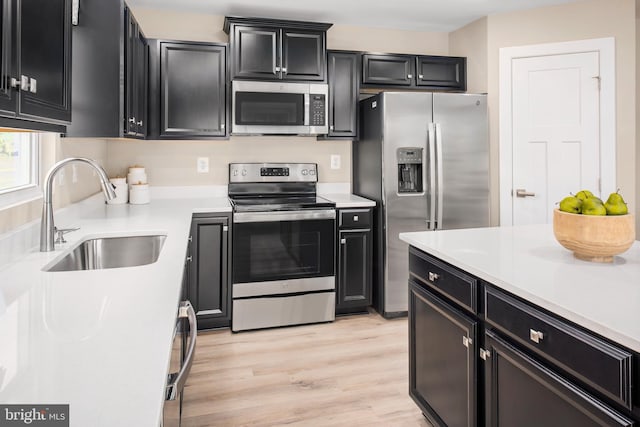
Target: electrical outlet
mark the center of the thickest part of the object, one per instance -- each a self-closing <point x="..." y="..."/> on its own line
<point x="203" y="165"/>
<point x="335" y="161"/>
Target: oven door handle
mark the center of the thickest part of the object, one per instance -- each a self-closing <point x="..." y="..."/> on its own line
<point x="175" y="382"/>
<point x="274" y="216"/>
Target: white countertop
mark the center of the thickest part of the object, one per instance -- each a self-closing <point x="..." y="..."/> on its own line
<point x="98" y="340"/>
<point x="347" y="200"/>
<point x="528" y="262"/>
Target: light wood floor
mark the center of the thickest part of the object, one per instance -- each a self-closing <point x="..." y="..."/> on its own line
<point x="352" y="372"/>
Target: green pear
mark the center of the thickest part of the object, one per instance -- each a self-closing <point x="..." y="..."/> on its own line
<point x="584" y="195"/>
<point x="571" y="204"/>
<point x="616" y="205"/>
<point x="593" y="206"/>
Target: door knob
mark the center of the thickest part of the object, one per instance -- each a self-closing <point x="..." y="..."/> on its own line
<point x="521" y="192"/>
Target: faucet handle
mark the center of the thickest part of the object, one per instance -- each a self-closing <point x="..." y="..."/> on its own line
<point x="62" y="231"/>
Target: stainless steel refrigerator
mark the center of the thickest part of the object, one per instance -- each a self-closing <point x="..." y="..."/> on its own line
<point x="424" y="158"/>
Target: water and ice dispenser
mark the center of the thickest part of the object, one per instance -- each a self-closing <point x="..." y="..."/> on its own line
<point x="409" y="170"/>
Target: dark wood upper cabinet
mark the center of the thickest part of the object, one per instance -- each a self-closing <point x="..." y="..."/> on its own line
<point x="268" y="49"/>
<point x="396" y="70"/>
<point x="36" y="62"/>
<point x="193" y="90"/>
<point x="110" y="69"/>
<point x="441" y="72"/>
<point x="447" y="73"/>
<point x="344" y="88"/>
<point x="136" y="71"/>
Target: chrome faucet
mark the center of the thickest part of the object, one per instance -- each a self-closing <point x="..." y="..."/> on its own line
<point x="47" y="228"/>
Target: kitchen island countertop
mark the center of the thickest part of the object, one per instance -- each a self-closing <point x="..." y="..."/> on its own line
<point x="98" y="340"/>
<point x="528" y="262"/>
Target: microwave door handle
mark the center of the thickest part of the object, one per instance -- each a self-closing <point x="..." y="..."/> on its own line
<point x="306" y="109"/>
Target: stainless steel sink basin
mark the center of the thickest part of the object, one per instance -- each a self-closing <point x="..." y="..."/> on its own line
<point x="111" y="252"/>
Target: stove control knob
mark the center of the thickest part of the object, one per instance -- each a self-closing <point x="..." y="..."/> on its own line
<point x="244" y="172"/>
<point x="235" y="172"/>
<point x="304" y="172"/>
<point x="312" y="172"/>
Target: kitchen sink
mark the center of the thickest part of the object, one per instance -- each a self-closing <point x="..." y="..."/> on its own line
<point x="111" y="252"/>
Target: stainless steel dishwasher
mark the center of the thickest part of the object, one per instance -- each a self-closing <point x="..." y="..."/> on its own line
<point x="182" y="354"/>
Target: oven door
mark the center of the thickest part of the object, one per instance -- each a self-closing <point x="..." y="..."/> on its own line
<point x="283" y="245"/>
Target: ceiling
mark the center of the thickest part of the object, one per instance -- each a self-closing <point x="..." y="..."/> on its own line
<point x="417" y="15"/>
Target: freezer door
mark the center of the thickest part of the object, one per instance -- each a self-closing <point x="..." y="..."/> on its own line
<point x="406" y="118"/>
<point x="462" y="159"/>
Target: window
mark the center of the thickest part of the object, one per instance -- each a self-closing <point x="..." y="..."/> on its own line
<point x="19" y="167"/>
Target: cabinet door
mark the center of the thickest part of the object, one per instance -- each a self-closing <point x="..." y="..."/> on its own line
<point x="442" y="72"/>
<point x="45" y="59"/>
<point x="141" y="72"/>
<point x="130" y="81"/>
<point x="303" y="55"/>
<point x="388" y="69"/>
<point x="520" y="391"/>
<point x="208" y="278"/>
<point x="344" y="87"/>
<point x="442" y="361"/>
<point x="255" y="53"/>
<point x="354" y="269"/>
<point x="7" y="60"/>
<point x="193" y="90"/>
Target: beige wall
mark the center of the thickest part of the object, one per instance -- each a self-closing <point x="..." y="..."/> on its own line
<point x="471" y="41"/>
<point x="573" y="21"/>
<point x="174" y="162"/>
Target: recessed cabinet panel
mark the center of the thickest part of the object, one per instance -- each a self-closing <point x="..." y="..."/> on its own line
<point x="255" y="53"/>
<point x="193" y="90"/>
<point x="354" y="275"/>
<point x="45" y="59"/>
<point x="442" y="359"/>
<point x="387" y="69"/>
<point x="441" y="72"/>
<point x="344" y="88"/>
<point x="208" y="288"/>
<point x="303" y="55"/>
<point x="523" y="392"/>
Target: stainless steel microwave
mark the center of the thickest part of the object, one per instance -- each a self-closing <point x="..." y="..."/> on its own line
<point x="279" y="108"/>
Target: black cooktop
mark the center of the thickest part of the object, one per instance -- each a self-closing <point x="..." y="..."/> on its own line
<point x="284" y="203"/>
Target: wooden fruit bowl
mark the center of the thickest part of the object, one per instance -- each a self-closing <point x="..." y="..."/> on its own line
<point x="594" y="238"/>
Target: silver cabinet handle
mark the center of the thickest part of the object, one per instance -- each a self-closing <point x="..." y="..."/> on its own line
<point x="331" y="127"/>
<point x="484" y="354"/>
<point x="189" y="258"/>
<point x="535" y="336"/>
<point x="176" y="381"/>
<point x="466" y="341"/>
<point x="520" y="192"/>
<point x="132" y="120"/>
<point x="284" y="70"/>
<point x="355" y="218"/>
<point x="420" y="76"/>
<point x="14" y="83"/>
<point x="433" y="277"/>
<point x="343" y="241"/>
<point x="277" y="69"/>
<point x="222" y="126"/>
<point x="24" y="83"/>
<point x="140" y="123"/>
<point x="409" y="76"/>
<point x="33" y="85"/>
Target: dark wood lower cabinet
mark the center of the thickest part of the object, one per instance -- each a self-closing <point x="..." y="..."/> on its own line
<point x="521" y="391"/>
<point x="209" y="290"/>
<point x="442" y="361"/>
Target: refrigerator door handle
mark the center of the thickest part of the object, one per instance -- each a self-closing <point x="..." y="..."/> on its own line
<point x="431" y="141"/>
<point x="440" y="175"/>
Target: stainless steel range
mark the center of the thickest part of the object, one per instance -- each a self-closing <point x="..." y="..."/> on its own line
<point x="283" y="246"/>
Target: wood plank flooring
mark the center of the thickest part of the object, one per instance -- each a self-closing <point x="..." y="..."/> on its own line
<point x="352" y="372"/>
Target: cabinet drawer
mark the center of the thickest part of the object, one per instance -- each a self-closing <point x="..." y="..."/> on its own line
<point x="592" y="360"/>
<point x="444" y="278"/>
<point x="355" y="218"/>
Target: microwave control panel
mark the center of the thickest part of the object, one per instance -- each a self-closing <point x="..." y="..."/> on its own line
<point x="317" y="109"/>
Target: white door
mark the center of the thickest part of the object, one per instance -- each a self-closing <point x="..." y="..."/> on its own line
<point x="556" y="132"/>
